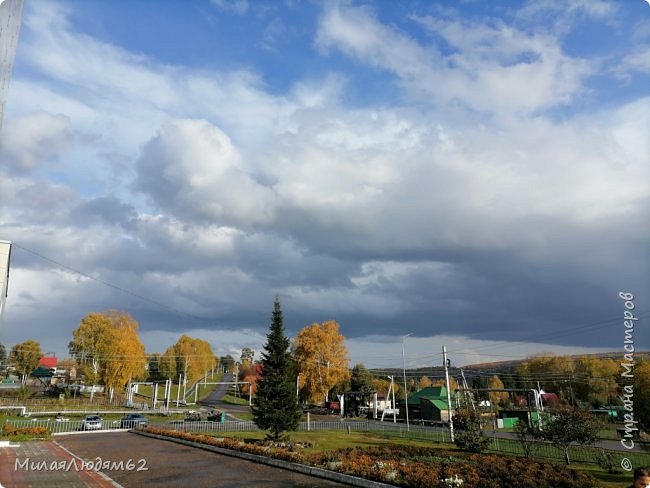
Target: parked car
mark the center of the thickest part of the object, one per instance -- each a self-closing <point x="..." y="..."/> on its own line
<point x="92" y="422"/>
<point x="132" y="420"/>
<point x="193" y="416"/>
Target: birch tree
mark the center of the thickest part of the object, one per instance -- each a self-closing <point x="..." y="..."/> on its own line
<point x="322" y="359"/>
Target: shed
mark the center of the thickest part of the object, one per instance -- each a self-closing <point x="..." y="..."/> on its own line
<point x="435" y="409"/>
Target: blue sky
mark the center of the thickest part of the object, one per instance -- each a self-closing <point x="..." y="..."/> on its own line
<point x="473" y="173"/>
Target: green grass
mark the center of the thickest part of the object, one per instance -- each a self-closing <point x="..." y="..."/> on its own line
<point x="322" y="441"/>
<point x="242" y="415"/>
<point x="332" y="440"/>
<point x="233" y="400"/>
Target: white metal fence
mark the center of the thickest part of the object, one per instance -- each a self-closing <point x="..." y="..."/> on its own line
<point x="432" y="434"/>
<point x="58" y="427"/>
<point x="438" y="435"/>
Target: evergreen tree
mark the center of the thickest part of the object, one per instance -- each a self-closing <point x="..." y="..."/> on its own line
<point x="275" y="408"/>
<point x="361" y="379"/>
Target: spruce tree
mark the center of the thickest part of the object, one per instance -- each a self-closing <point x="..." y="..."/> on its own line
<point x="275" y="408"/>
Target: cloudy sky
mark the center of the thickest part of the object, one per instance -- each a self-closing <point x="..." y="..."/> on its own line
<point x="475" y="174"/>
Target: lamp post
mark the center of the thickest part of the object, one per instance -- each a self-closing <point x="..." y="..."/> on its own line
<point x="406" y="396"/>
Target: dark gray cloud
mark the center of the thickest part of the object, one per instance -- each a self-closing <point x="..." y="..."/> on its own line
<point x="192" y="204"/>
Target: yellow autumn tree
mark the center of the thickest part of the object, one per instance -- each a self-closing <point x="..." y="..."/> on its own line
<point x="453" y="384"/>
<point x="641" y="388"/>
<point x="127" y="361"/>
<point x="322" y="359"/>
<point x="107" y="347"/>
<point x="552" y="373"/>
<point x="190" y="357"/>
<point x="25" y="356"/>
<point x="595" y="380"/>
<point x="497" y="397"/>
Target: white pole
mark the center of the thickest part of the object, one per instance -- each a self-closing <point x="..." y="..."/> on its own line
<point x="406" y="395"/>
<point x="178" y="391"/>
<point x="374" y="406"/>
<point x="451" y="420"/>
<point x="394" y="405"/>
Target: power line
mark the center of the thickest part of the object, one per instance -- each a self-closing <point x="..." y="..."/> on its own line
<point x="106" y="283"/>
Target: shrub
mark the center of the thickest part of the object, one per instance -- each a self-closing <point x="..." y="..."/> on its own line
<point x="608" y="463"/>
<point x="12" y="432"/>
<point x="469" y="436"/>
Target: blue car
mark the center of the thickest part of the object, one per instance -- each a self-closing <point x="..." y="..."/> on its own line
<point x="133" y="420"/>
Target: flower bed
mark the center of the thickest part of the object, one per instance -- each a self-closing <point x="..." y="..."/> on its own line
<point x="414" y="466"/>
<point x="14" y="433"/>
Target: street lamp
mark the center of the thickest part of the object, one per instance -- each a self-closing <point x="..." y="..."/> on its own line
<point x="406" y="396"/>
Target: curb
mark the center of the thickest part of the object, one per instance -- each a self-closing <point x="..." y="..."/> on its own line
<point x="277" y="463"/>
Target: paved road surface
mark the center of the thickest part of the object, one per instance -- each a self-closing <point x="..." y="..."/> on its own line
<point x="170" y="465"/>
<point x="214" y="399"/>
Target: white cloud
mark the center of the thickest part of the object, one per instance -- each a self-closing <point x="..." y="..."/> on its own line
<point x="223" y="190"/>
<point x="238" y="7"/>
<point x="564" y="14"/>
<point x="192" y="169"/>
<point x="33" y="139"/>
<point x="636" y="62"/>
<point x="492" y="68"/>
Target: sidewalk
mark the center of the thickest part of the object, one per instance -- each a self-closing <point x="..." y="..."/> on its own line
<point x="44" y="463"/>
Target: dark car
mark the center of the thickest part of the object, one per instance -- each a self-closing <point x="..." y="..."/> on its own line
<point x="132" y="420"/>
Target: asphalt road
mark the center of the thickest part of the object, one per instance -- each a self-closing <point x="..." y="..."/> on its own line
<point x="214" y="400"/>
<point x="169" y="465"/>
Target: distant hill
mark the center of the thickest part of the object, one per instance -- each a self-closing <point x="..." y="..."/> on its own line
<point x="498" y="367"/>
<point x="502" y="366"/>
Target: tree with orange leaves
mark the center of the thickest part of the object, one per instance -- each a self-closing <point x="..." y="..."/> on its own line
<point x="322" y="359"/>
<point x="108" y="347"/>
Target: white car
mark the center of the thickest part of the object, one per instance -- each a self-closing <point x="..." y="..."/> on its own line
<point x="92" y="422"/>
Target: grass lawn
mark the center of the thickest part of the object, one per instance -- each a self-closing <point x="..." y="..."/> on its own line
<point x="322" y="441"/>
<point x="233" y="400"/>
<point x="242" y="415"/>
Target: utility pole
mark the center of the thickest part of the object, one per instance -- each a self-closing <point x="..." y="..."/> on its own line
<point x="446" y="364"/>
<point x="406" y="395"/>
<point x="184" y="379"/>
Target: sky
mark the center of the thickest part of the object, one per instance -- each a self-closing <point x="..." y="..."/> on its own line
<point x="470" y="174"/>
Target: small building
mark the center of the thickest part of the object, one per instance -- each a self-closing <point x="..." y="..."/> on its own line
<point x="430" y="404"/>
<point x="45" y="369"/>
<point x="382" y="402"/>
<point x="434" y="409"/>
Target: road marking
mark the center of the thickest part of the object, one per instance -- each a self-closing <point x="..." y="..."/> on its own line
<point x="106" y="478"/>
